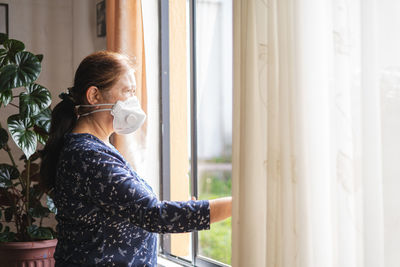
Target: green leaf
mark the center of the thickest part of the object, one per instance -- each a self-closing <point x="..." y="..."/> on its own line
<point x="25" y="139"/>
<point x="34" y="191"/>
<point x="42" y="125"/>
<point x="43" y="119"/>
<point x="34" y="172"/>
<point x="7" y="173"/>
<point x="50" y="205"/>
<point x="8" y="214"/>
<point x="5" y="97"/>
<point x="3" y="38"/>
<point x="7" y="236"/>
<point x="11" y="47"/>
<point x="3" y="137"/>
<point x="39" y="211"/>
<point x="35" y="99"/>
<point x="34" y="157"/>
<point x="25" y="71"/>
<point x="42" y="135"/>
<point x="3" y="57"/>
<point x="42" y="233"/>
<point x="40" y="57"/>
<point x="7" y="198"/>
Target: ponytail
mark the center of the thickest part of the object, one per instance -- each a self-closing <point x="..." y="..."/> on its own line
<point x="63" y="120"/>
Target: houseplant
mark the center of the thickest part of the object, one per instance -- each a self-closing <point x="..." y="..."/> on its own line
<point x="20" y="193"/>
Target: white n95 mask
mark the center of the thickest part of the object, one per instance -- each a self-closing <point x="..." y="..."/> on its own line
<point x="128" y="115"/>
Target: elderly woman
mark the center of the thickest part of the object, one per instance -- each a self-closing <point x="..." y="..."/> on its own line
<point x="107" y="215"/>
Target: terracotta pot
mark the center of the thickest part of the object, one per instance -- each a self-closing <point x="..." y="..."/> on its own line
<point x="28" y="254"/>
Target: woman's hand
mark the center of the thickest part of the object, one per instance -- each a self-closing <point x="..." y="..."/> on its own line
<point x="220" y="209"/>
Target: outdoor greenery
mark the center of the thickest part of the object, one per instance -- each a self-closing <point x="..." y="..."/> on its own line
<point x="216" y="242"/>
<point x="20" y="194"/>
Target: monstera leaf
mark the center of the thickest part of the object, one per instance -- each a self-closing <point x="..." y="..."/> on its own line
<point x="3" y="137"/>
<point x="42" y="125"/>
<point x="37" y="232"/>
<point x="3" y="38"/>
<point x="43" y="119"/>
<point x="35" y="99"/>
<point x="25" y="139"/>
<point x="39" y="211"/>
<point x="33" y="157"/>
<point x="50" y="205"/>
<point x="40" y="57"/>
<point x="33" y="176"/>
<point x="24" y="71"/>
<point x="35" y="206"/>
<point x="5" y="97"/>
<point x="3" y="57"/>
<point x="6" y="235"/>
<point x="11" y="47"/>
<point x="7" y="198"/>
<point x="42" y="135"/>
<point x="7" y="173"/>
<point x="8" y="214"/>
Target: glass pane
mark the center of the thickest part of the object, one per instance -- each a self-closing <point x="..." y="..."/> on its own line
<point x="214" y="117"/>
<point x="172" y="244"/>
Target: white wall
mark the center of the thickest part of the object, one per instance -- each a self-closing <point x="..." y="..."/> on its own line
<point x="84" y="37"/>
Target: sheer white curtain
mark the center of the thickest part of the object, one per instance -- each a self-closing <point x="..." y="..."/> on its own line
<point x="307" y="145"/>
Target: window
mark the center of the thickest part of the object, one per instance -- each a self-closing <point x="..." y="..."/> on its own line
<point x="196" y="120"/>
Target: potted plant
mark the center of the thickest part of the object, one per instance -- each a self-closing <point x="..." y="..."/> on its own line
<point x="20" y="192"/>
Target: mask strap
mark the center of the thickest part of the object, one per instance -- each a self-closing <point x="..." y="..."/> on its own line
<point x="95" y="105"/>
<point x="94" y="111"/>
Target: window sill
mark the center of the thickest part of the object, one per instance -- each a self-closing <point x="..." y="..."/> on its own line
<point x="163" y="262"/>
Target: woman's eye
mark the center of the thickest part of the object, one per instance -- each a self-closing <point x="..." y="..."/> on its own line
<point x="131" y="91"/>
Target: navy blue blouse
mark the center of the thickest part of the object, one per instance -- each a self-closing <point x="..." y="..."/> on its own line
<point x="107" y="215"/>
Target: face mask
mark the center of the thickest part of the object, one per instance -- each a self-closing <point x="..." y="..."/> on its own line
<point x="128" y="115"/>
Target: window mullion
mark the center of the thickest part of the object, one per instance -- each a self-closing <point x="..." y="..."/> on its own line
<point x="165" y="242"/>
<point x="193" y="114"/>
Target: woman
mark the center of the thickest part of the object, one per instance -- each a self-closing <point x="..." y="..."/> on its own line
<point x="107" y="215"/>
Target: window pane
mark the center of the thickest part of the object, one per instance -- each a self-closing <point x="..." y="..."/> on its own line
<point x="214" y="117"/>
<point x="175" y="139"/>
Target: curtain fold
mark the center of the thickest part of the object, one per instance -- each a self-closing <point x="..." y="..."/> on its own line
<point x="307" y="141"/>
<point x="125" y="34"/>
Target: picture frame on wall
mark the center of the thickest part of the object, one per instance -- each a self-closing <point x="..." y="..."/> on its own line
<point x="3" y="18"/>
<point x="101" y="18"/>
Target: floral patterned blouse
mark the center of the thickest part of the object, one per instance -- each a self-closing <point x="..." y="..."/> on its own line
<point x="107" y="215"/>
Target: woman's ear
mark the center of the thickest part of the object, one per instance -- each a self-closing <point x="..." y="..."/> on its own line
<point x="93" y="95"/>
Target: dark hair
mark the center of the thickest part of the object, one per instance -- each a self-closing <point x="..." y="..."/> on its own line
<point x="101" y="69"/>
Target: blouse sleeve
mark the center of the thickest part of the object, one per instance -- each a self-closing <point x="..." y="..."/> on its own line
<point x="111" y="185"/>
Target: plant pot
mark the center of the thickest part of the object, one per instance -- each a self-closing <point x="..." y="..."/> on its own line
<point x="24" y="254"/>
